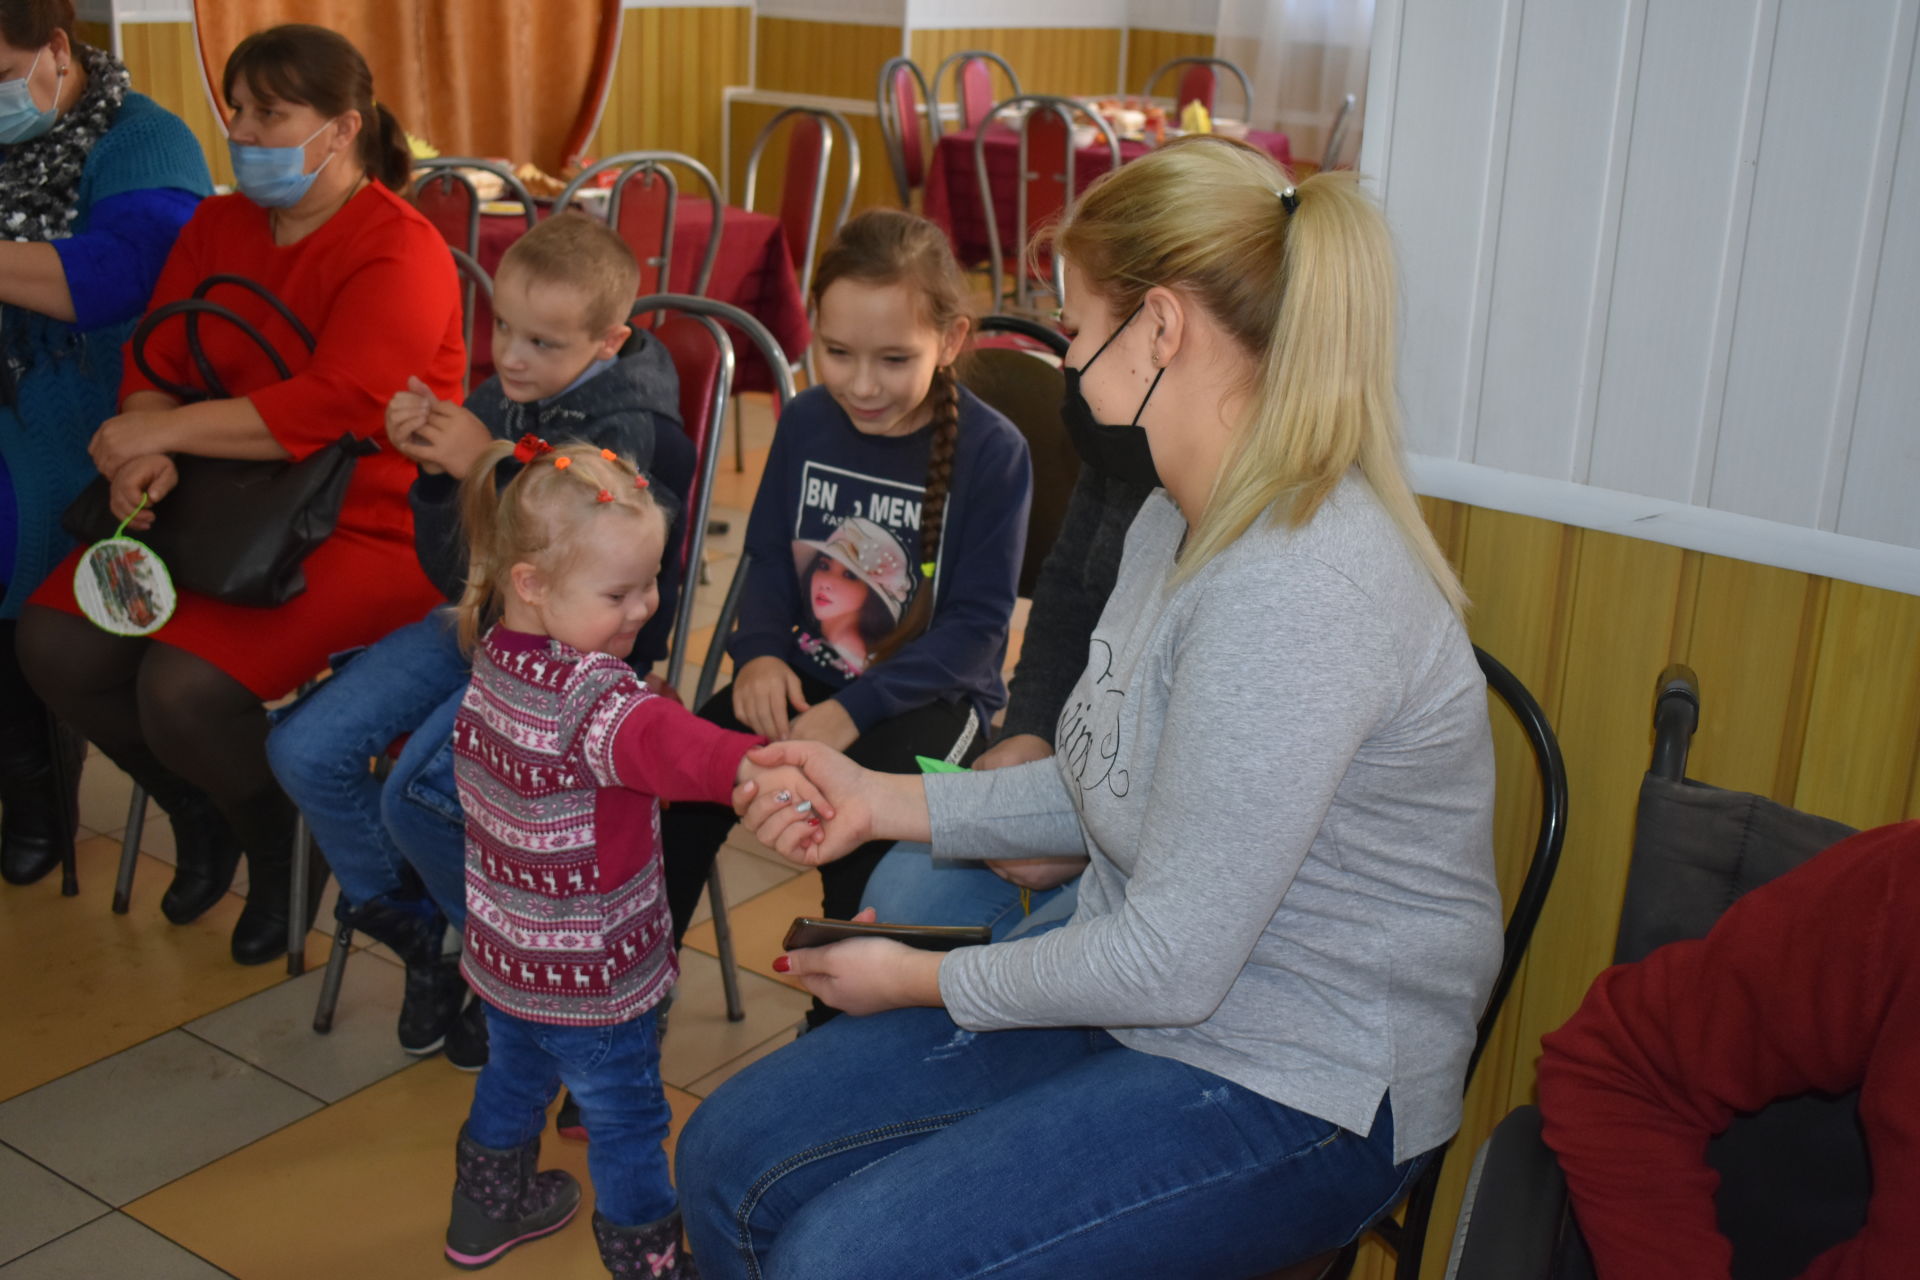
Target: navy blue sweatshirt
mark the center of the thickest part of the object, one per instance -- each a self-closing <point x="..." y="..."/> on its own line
<point x="631" y="407"/>
<point x="821" y="473"/>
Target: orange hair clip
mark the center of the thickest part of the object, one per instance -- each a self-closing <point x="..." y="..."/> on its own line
<point x="603" y="496"/>
<point x="610" y="455"/>
<point x="561" y="464"/>
<point x="639" y="482"/>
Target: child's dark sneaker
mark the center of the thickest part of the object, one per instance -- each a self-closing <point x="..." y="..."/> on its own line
<point x="500" y="1200"/>
<point x="466" y="1046"/>
<point x="654" y="1251"/>
<point x="566" y="1121"/>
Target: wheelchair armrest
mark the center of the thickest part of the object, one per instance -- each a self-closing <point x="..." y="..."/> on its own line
<point x="1514" y="1209"/>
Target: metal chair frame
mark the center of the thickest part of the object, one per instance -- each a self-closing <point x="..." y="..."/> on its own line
<point x="474" y="281"/>
<point x="958" y="61"/>
<point x="652" y="164"/>
<point x="893" y="129"/>
<point x="831" y="122"/>
<point x="1246" y="87"/>
<point x="1063" y="109"/>
<point x="446" y="170"/>
<point x="1337" y="135"/>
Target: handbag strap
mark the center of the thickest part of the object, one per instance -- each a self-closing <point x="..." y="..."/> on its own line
<point x="193" y="308"/>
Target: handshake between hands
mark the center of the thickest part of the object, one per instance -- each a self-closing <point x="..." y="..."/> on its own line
<point x="806" y="801"/>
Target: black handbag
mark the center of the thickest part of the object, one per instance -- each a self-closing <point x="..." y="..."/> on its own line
<point x="234" y="529"/>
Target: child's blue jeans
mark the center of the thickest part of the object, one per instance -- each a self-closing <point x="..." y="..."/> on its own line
<point x="409" y="682"/>
<point x="900" y="1145"/>
<point x="613" y="1073"/>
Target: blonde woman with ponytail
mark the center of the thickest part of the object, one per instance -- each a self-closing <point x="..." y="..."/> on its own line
<point x="1254" y="1029"/>
<point x="884" y="545"/>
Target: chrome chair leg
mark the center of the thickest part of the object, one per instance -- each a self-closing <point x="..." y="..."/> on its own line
<point x="130" y="849"/>
<point x="723" y="943"/>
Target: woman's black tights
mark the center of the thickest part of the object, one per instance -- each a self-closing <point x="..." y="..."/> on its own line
<point x="175" y="722"/>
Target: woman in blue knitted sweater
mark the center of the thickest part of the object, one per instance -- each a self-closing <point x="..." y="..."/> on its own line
<point x="95" y="183"/>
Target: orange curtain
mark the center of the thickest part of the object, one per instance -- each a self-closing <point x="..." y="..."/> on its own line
<point x="519" y="79"/>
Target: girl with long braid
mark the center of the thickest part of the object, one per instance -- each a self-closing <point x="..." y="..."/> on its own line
<point x="891" y="482"/>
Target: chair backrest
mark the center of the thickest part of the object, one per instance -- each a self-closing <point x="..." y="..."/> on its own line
<point x="1015" y="368"/>
<point x="973" y="90"/>
<point x="1048" y="177"/>
<point x="803" y="188"/>
<point x="1198" y="83"/>
<point x="1407" y="1237"/>
<point x="474" y="281"/>
<point x="691" y="328"/>
<point x="1337" y="135"/>
<point x="641" y="206"/>
<point x="445" y="193"/>
<point x="903" y="105"/>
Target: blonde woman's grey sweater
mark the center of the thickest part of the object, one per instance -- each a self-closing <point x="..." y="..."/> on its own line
<point x="1283" y="773"/>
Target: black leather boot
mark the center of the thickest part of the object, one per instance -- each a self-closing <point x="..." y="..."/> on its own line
<point x="33" y="828"/>
<point x="501" y="1199"/>
<point x="416" y="931"/>
<point x="267" y="831"/>
<point x="206" y="854"/>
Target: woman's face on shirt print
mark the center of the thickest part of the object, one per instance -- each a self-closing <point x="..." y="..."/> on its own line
<point x="834" y="591"/>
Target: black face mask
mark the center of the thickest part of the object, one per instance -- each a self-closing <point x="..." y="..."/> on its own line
<point x="1119" y="452"/>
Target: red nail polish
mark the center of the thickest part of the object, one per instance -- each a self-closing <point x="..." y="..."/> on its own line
<point x="781" y="964"/>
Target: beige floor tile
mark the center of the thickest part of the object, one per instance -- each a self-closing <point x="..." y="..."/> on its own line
<point x="745" y="875"/>
<point x="89" y="983"/>
<point x="103" y="795"/>
<point x="361" y="1189"/>
<point x="699" y="1038"/>
<point x="713" y="1080"/>
<point x="760" y="924"/>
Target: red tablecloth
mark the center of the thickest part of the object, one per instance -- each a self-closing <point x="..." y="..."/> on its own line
<point x="752" y="271"/>
<point x="952" y="196"/>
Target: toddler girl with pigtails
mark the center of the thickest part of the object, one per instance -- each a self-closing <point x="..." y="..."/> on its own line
<point x="562" y="759"/>
<point x="883" y="548"/>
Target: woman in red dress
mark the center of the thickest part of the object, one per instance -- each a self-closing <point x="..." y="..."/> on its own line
<point x="319" y="222"/>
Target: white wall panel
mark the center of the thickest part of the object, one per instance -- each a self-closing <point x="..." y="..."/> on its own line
<point x="1663" y="249"/>
<point x="1881" y="499"/>
<point x="1556" y="209"/>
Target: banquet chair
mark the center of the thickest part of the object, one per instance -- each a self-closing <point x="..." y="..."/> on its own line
<point x="1337" y="135"/>
<point x="446" y="195"/>
<point x="690" y="328"/>
<point x="474" y="282"/>
<point x="1015" y="367"/>
<point x="1407" y="1235"/>
<point x="972" y="87"/>
<point x="642" y="205"/>
<point x="1794" y="1177"/>
<point x="1197" y="83"/>
<point x="803" y="187"/>
<point x="1046" y="183"/>
<point x="907" y="127"/>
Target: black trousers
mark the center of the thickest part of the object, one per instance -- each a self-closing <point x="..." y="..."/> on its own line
<point x="691" y="834"/>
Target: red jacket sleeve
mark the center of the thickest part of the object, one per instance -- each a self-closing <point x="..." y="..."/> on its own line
<point x="662" y="749"/>
<point x="1811" y="982"/>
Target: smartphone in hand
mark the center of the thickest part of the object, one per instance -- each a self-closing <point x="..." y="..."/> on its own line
<point x="809" y="932"/>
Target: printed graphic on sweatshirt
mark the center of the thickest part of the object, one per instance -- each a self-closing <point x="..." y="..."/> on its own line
<point x="852" y="544"/>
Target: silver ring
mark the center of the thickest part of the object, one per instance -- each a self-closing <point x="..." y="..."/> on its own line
<point x="781" y="797"/>
<point x="805" y="806"/>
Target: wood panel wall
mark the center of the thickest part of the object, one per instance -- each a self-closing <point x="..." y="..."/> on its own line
<point x="164" y="62"/>
<point x="834" y="59"/>
<point x="1063" y="60"/>
<point x="1149" y="50"/>
<point x="745" y="121"/>
<point x="1810" y="694"/>
<point x="667" y="83"/>
<point x="97" y="34"/>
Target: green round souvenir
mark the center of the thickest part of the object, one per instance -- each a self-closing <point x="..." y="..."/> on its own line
<point x="122" y="586"/>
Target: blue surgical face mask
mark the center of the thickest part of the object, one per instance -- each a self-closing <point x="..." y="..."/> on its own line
<point x="21" y="119"/>
<point x="275" y="177"/>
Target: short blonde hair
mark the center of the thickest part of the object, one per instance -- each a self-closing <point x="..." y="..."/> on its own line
<point x="543" y="516"/>
<point x="1308" y="292"/>
<point x="581" y="252"/>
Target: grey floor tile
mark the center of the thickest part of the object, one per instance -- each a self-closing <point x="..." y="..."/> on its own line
<point x="700" y="1040"/>
<point x="744" y="875"/>
<point x="138" y="1120"/>
<point x="36" y="1206"/>
<point x="115" y="1245"/>
<point x="274" y="1030"/>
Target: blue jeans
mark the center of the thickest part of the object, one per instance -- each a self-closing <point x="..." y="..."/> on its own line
<point x="911" y="886"/>
<point x="613" y="1073"/>
<point x="409" y="682"/>
<point x="900" y="1145"/>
